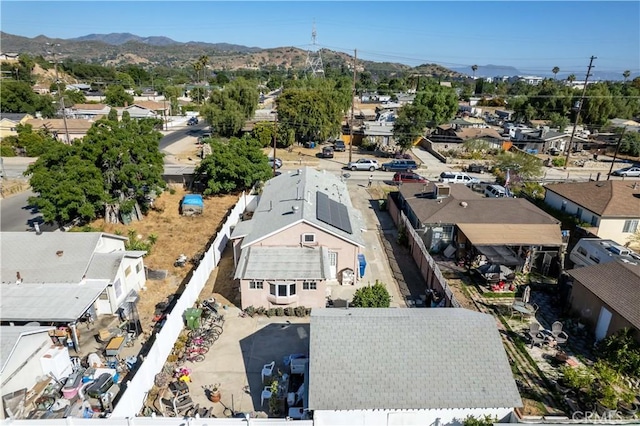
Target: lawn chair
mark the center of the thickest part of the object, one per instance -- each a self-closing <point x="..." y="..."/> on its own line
<point x="560" y="336"/>
<point x="267" y="370"/>
<point x="535" y="334"/>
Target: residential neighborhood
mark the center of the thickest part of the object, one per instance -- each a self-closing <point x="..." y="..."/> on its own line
<point x="199" y="233"/>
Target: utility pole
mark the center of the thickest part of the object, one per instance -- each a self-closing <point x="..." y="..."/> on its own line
<point x="353" y="104"/>
<point x="275" y="137"/>
<point x="60" y="94"/>
<point x="575" y="123"/>
<point x="615" y="155"/>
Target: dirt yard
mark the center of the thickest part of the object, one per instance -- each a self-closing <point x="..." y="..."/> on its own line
<point x="176" y="235"/>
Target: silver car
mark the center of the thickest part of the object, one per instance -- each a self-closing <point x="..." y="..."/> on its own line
<point x="628" y="171"/>
<point x="363" y="164"/>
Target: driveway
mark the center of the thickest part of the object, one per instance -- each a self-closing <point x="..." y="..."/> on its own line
<point x="236" y="359"/>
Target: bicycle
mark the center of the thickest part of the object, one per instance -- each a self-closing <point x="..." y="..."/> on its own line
<point x="197" y="350"/>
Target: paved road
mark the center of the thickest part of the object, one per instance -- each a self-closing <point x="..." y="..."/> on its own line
<point x="17" y="215"/>
<point x="180" y="133"/>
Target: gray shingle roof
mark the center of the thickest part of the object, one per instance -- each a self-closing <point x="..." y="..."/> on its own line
<point x="291" y="197"/>
<point x="609" y="198"/>
<point x="477" y="209"/>
<point x="363" y="359"/>
<point x="51" y="302"/>
<point x="615" y="283"/>
<point x="104" y="265"/>
<point x="9" y="337"/>
<point x="35" y="256"/>
<point x="285" y="263"/>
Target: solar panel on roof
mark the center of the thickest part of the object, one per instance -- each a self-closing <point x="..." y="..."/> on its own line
<point x="332" y="213"/>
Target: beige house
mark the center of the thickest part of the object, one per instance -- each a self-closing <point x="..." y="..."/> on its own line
<point x="303" y="239"/>
<point x="612" y="207"/>
<point x="607" y="297"/>
<point x="9" y="121"/>
<point x="76" y="127"/>
<point x="90" y="111"/>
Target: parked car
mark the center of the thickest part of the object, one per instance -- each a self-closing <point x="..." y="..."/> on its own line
<point x="477" y="168"/>
<point x="457" y="177"/>
<point x="627" y="171"/>
<point x="327" y="152"/>
<point x="409" y="177"/>
<point x="278" y="162"/>
<point x="495" y="191"/>
<point x="399" y="166"/>
<point x="192" y="121"/>
<point x="364" y="164"/>
<point x="339" y="146"/>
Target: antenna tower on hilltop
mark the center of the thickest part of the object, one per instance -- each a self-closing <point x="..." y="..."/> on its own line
<point x="314" y="59"/>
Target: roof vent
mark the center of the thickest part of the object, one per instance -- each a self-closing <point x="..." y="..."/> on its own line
<point x="59" y="253"/>
<point x="295" y="208"/>
<point x="463" y="204"/>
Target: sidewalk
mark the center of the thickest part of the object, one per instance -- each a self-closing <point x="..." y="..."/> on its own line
<point x="431" y="167"/>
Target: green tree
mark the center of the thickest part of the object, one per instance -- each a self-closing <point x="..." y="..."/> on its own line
<point x="598" y="107"/>
<point x="314" y="112"/>
<point x="68" y="187"/>
<point x="555" y="72"/>
<point x="125" y="80"/>
<point x="233" y="166"/>
<point x="116" y="96"/>
<point x="525" y="165"/>
<point x="72" y="97"/>
<point x="571" y="78"/>
<point x="372" y="296"/>
<point x="626" y="74"/>
<point x="559" y="121"/>
<point x="17" y="96"/>
<point x="474" y="68"/>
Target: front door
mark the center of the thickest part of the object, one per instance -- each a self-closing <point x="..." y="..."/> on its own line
<point x="603" y="323"/>
<point x="333" y="265"/>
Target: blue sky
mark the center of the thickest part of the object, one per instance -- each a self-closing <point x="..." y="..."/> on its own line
<point x="532" y="36"/>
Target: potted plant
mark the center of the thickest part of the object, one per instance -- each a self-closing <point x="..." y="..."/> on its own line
<point x="213" y="392"/>
<point x="274" y="401"/>
<point x="628" y="404"/>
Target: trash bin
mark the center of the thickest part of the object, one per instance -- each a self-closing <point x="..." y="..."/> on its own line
<point x="192" y="315"/>
<point x="312" y="144"/>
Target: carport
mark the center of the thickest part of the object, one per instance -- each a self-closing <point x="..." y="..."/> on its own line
<point x="62" y="303"/>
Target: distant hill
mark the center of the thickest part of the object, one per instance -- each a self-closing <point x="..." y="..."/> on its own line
<point x="122" y="38"/>
<point x="489" y="70"/>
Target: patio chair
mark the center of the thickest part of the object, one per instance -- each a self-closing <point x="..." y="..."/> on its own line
<point x="560" y="336"/>
<point x="534" y="328"/>
<point x="536" y="339"/>
<point x="266" y="394"/>
<point x="267" y="370"/>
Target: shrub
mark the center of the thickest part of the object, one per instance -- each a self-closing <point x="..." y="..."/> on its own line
<point x="289" y="311"/>
<point x="372" y="296"/>
<point x="250" y="310"/>
<point x="279" y="312"/>
<point x="307" y="311"/>
<point x="261" y="310"/>
<point x="558" y="162"/>
<point x="300" y="311"/>
<point x="271" y="312"/>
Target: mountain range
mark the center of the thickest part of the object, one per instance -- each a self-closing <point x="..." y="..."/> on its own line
<point x="116" y="49"/>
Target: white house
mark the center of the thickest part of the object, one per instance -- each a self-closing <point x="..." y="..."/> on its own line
<point x="612" y="207"/>
<point x="403" y="367"/>
<point x="57" y="277"/>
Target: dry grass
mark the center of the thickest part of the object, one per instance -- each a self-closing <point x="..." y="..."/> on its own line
<point x="176" y="234"/>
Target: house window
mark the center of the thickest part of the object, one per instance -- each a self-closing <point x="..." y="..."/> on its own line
<point x="595" y="259"/>
<point x="582" y="251"/>
<point x="447" y="232"/>
<point x="138" y="267"/>
<point x="127" y="271"/>
<point x="594" y="220"/>
<point x="308" y="238"/>
<point x="256" y="285"/>
<point x="579" y="213"/>
<point x="282" y="290"/>
<point x="309" y="285"/>
<point x="563" y="207"/>
<point x="630" y="225"/>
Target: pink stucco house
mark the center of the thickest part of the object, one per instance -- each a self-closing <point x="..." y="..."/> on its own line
<point x="303" y="238"/>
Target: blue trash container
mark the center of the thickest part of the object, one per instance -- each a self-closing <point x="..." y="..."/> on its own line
<point x="362" y="263"/>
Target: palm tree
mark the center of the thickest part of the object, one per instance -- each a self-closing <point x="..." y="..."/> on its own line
<point x="197" y="67"/>
<point x="474" y="68"/>
<point x="555" y="72"/>
<point x="204" y="61"/>
<point x="571" y="78"/>
<point x="626" y="75"/>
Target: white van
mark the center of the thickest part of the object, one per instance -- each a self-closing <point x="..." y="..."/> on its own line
<point x="495" y="191"/>
<point x="593" y="251"/>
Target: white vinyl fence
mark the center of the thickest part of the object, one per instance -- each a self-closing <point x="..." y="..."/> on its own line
<point x="131" y="401"/>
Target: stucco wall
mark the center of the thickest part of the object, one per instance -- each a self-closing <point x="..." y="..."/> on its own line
<point x="308" y="298"/>
<point x="611" y="229"/>
<point x="404" y="417"/>
<point x="292" y="237"/>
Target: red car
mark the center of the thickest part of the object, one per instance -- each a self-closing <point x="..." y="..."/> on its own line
<point x="409" y="177"/>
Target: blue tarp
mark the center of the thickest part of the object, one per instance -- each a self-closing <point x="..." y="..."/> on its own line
<point x="363" y="264"/>
<point x="193" y="200"/>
